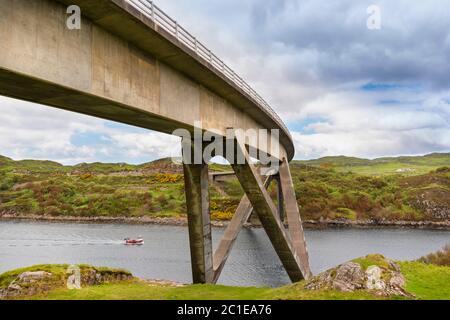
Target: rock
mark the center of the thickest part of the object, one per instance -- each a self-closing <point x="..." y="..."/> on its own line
<point x="434" y="202"/>
<point x="383" y="278"/>
<point x="349" y="277"/>
<point x="14" y="287"/>
<point x="27" y="283"/>
<point x="346" y="277"/>
<point x="166" y="283"/>
<point x="33" y="276"/>
<point x="38" y="282"/>
<point x="373" y="276"/>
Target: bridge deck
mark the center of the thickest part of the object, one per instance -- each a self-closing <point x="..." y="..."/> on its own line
<point x="126" y="20"/>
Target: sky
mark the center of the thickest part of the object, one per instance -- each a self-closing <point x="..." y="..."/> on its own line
<point x="341" y="88"/>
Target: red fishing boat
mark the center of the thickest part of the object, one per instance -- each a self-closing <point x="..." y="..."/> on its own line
<point x="138" y="241"/>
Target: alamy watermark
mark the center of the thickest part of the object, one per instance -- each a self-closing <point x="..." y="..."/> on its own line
<point x="374" y="19"/>
<point x="74" y="279"/>
<point x="73" y="22"/>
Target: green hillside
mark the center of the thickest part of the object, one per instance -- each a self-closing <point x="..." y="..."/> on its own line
<point x="329" y="188"/>
<point x="382" y="166"/>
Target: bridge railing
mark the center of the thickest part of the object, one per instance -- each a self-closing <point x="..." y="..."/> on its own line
<point x="164" y="21"/>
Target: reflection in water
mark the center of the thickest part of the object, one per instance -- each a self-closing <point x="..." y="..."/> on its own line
<point x="165" y="254"/>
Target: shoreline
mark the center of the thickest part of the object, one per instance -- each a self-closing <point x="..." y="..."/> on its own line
<point x="182" y="222"/>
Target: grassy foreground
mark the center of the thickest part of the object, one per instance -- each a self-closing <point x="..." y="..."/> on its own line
<point x="139" y="290"/>
<point x="424" y="281"/>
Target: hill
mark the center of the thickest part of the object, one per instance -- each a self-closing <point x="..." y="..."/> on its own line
<point x="332" y="188"/>
<point x="413" y="165"/>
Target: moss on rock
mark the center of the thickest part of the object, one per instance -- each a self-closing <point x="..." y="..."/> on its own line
<point x="44" y="278"/>
<point x="373" y="273"/>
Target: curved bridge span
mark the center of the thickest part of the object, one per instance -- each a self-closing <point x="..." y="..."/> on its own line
<point x="131" y="63"/>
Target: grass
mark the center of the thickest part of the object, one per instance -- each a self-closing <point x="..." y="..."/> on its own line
<point x="325" y="189"/>
<point x="140" y="290"/>
<point x="427" y="281"/>
<point x="372" y="260"/>
<point x="58" y="270"/>
<point x="384" y="166"/>
<point x="424" y="281"/>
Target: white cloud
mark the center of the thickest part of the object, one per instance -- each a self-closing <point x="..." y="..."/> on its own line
<point x="137" y="145"/>
<point x="354" y="125"/>
<point x="370" y="143"/>
<point x="309" y="59"/>
<point x="29" y="130"/>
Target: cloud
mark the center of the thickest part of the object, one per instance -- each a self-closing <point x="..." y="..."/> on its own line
<point x="345" y="128"/>
<point x="361" y="92"/>
<point x="371" y="143"/>
<point x="38" y="132"/>
<point x="137" y="145"/>
<point x="341" y="88"/>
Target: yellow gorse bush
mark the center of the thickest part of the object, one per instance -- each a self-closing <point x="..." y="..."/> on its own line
<point x="168" y="178"/>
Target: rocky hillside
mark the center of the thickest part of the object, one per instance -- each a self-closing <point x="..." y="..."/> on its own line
<point x="326" y="189"/>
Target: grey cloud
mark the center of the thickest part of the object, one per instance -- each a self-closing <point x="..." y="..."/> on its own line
<point x="318" y="46"/>
<point x="309" y="58"/>
<point x="410" y="45"/>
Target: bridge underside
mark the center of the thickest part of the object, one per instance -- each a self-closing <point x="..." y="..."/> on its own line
<point x="289" y="243"/>
<point x="99" y="72"/>
<point x="23" y="87"/>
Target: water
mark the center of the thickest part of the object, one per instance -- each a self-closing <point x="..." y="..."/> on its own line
<point x="165" y="255"/>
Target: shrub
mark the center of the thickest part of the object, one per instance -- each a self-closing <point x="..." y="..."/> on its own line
<point x="222" y="215"/>
<point x="51" y="211"/>
<point x="443" y="170"/>
<point x="345" y="213"/>
<point x="86" y="176"/>
<point x="440" y="258"/>
<point x="162" y="200"/>
<point x="8" y="181"/>
<point x="168" y="178"/>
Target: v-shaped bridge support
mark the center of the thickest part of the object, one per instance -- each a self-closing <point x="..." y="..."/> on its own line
<point x="289" y="243"/>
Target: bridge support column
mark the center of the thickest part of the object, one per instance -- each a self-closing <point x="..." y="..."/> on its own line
<point x="243" y="213"/>
<point x="291" y="256"/>
<point x="197" y="202"/>
<point x="288" y="243"/>
<point x="286" y="187"/>
<point x="280" y="198"/>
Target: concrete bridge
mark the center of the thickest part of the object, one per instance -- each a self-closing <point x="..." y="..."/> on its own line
<point x="133" y="64"/>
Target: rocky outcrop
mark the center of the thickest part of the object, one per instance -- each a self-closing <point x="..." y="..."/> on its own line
<point x="31" y="283"/>
<point x="93" y="277"/>
<point x="383" y="278"/>
<point x="435" y="202"/>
